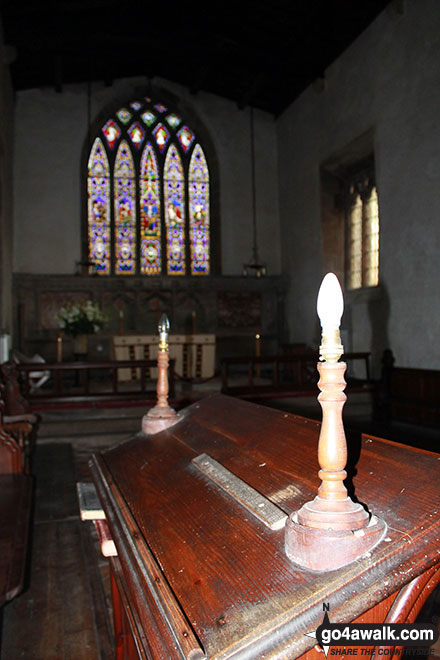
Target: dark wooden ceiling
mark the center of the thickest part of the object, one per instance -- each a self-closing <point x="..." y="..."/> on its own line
<point x="263" y="53"/>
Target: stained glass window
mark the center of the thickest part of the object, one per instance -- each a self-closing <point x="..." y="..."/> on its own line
<point x="111" y="132"/>
<point x="124" y="115"/>
<point x="162" y="135"/>
<point x="125" y="211"/>
<point x="148" y="117"/>
<point x="198" y="190"/>
<point x="174" y="199"/>
<point x="98" y="184"/>
<point x="137" y="134"/>
<point x="148" y="197"/>
<point x="173" y="120"/>
<point x="150" y="213"/>
<point x="186" y="137"/>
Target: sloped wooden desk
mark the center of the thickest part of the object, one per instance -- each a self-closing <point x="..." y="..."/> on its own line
<point x="198" y="576"/>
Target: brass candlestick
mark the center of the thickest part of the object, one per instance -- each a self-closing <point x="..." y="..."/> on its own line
<point x="162" y="416"/>
<point x="331" y="530"/>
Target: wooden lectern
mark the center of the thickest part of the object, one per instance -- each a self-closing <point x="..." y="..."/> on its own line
<point x="202" y="512"/>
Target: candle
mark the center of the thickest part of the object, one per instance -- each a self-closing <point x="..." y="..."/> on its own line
<point x="257" y="352"/>
<point x="59" y="347"/>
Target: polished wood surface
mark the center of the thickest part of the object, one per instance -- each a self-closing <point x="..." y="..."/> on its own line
<point x="193" y="561"/>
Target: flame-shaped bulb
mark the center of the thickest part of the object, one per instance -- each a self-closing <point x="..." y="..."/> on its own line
<point x="330" y="303"/>
<point x="164" y="326"/>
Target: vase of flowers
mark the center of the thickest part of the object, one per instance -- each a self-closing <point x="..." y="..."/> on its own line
<point x="80" y="319"/>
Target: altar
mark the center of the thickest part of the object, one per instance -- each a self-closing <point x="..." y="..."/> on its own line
<point x="194" y="354"/>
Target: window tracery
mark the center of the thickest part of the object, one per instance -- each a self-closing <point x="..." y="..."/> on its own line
<point x="148" y="195"/>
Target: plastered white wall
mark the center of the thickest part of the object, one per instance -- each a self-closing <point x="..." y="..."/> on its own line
<point x="50" y="131"/>
<point x="6" y="196"/>
<point x="388" y="81"/>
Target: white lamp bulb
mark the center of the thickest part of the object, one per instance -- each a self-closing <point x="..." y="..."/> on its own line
<point x="164" y="324"/>
<point x="330" y="302"/>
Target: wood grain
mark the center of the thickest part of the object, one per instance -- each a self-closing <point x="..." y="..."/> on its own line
<point x="229" y="573"/>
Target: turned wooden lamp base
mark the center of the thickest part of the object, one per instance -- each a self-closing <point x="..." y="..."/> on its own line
<point x="158" y="419"/>
<point x="327" y="549"/>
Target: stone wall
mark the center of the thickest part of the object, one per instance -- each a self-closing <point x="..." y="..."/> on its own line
<point x="385" y="85"/>
<point x="6" y="198"/>
<point x="49" y="178"/>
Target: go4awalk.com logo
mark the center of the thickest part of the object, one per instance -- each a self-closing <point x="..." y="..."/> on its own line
<point x="354" y="638"/>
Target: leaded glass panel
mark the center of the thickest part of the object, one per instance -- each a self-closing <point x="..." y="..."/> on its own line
<point x="186" y="137"/>
<point x="124" y="115"/>
<point x="161" y="135"/>
<point x="148" y="117"/>
<point x="137" y="134"/>
<point x="112" y="133"/>
<point x="143" y="152"/>
<point x="125" y="211"/>
<point x="99" y="209"/>
<point x="150" y="213"/>
<point x="173" y="120"/>
<point x="174" y="199"/>
<point x="198" y="191"/>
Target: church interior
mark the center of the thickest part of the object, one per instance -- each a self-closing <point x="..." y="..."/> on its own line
<point x="193" y="174"/>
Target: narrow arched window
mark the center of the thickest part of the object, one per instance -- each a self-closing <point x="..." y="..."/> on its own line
<point x="148" y="195"/>
<point x="98" y="185"/>
<point x="199" y="212"/>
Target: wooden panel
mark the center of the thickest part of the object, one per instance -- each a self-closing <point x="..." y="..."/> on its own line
<point x="194" y="354"/>
<point x="229" y="573"/>
<point x="15" y="506"/>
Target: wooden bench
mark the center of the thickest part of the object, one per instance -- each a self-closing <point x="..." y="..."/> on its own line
<point x="277" y="376"/>
<point x="408" y="394"/>
<point x="15" y="510"/>
<point x="86" y="383"/>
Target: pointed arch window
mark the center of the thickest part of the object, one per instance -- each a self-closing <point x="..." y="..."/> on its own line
<point x="363" y="233"/>
<point x="148" y="192"/>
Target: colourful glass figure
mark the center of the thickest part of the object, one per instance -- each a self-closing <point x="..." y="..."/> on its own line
<point x="161" y="135"/>
<point x="186" y="137"/>
<point x="149" y="203"/>
<point x="198" y="191"/>
<point x="148" y="118"/>
<point x="116" y="244"/>
<point x="137" y="134"/>
<point x="99" y="209"/>
<point x="125" y="211"/>
<point x="173" y="120"/>
<point x="174" y="199"/>
<point x="112" y="132"/>
<point x="124" y="115"/>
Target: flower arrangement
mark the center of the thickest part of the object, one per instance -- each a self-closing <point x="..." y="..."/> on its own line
<point x="80" y="318"/>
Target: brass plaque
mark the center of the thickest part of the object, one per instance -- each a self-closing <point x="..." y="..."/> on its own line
<point x="258" y="505"/>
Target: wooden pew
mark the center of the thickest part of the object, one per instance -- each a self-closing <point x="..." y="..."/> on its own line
<point x="18" y="419"/>
<point x="290" y="375"/>
<point x="408" y="394"/>
<point x="87" y="383"/>
<point x="15" y="509"/>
